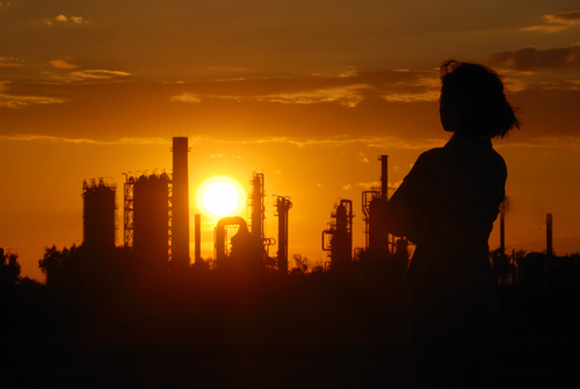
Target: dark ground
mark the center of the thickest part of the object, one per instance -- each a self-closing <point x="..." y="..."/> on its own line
<point x="320" y="330"/>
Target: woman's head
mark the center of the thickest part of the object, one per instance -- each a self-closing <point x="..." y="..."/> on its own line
<point x="473" y="103"/>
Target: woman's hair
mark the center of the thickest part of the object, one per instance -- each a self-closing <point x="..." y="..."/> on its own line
<point x="473" y="102"/>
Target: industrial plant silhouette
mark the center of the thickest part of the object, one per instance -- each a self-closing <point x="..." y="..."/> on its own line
<point x="156" y="225"/>
<point x="146" y="314"/>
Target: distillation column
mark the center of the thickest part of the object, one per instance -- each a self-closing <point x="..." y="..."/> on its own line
<point x="283" y="205"/>
<point x="180" y="203"/>
<point x="257" y="220"/>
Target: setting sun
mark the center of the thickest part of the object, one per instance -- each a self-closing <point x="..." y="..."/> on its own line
<point x="220" y="196"/>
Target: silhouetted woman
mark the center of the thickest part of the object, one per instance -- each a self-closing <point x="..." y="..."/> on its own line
<point x="446" y="206"/>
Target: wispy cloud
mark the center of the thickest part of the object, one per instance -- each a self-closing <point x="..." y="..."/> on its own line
<point x="84" y="75"/>
<point x="66" y="20"/>
<point x="363" y="158"/>
<point x="413" y="97"/>
<point x="533" y="58"/>
<point x="97" y="74"/>
<point x="557" y="142"/>
<point x="348" y="96"/>
<point x="186" y="98"/>
<point x="10" y="62"/>
<point x="62" y="64"/>
<point x="379" y="142"/>
<point x="62" y="139"/>
<point x="556" y="22"/>
<point x="369" y="185"/>
<point x="548" y="142"/>
<point x="15" y="101"/>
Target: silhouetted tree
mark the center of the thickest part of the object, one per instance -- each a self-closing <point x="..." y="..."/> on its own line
<point x="301" y="265"/>
<point x="9" y="268"/>
<point x="54" y="263"/>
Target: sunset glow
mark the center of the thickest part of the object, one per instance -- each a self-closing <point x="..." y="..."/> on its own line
<point x="307" y="96"/>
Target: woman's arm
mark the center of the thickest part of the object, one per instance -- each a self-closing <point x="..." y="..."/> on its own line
<point x="401" y="215"/>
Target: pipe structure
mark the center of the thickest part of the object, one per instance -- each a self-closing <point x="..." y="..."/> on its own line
<point x="220" y="242"/>
<point x="283" y="205"/>
<point x="180" y="203"/>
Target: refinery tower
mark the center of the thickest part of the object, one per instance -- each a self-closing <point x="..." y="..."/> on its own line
<point x="180" y="204"/>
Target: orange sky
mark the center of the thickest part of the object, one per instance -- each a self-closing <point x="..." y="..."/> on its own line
<point x="309" y="93"/>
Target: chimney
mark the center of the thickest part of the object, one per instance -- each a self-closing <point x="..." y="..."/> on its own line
<point x="384" y="176"/>
<point x="180" y="222"/>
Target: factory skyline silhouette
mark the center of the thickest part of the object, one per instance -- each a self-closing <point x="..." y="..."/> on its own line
<point x="156" y="221"/>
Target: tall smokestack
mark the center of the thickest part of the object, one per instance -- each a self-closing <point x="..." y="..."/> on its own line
<point x="384" y="176"/>
<point x="549" y="248"/>
<point x="197" y="239"/>
<point x="283" y="205"/>
<point x="180" y="222"/>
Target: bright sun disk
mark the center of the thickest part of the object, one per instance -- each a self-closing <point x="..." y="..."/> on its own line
<point x="220" y="196"/>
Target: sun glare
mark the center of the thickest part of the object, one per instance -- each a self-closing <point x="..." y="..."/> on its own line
<point x="220" y="196"/>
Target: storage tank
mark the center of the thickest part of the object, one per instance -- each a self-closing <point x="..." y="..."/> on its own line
<point x="151" y="220"/>
<point x="98" y="214"/>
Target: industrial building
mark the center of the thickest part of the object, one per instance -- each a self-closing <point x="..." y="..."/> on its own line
<point x="378" y="243"/>
<point x="337" y="239"/>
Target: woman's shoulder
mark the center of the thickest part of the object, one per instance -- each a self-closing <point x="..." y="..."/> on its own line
<point x="431" y="154"/>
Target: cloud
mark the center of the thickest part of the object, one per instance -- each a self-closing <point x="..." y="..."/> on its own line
<point x="533" y="58"/>
<point x="99" y="74"/>
<point x="348" y="96"/>
<point x="186" y="98"/>
<point x="63" y="19"/>
<point x="413" y="97"/>
<point x="347" y="187"/>
<point x="369" y="185"/>
<point x="556" y="22"/>
<point x="569" y="17"/>
<point x="62" y="64"/>
<point x="348" y="89"/>
<point x="10" y="62"/>
<point x="363" y="158"/>
<point x="96" y="74"/>
<point x="62" y="139"/>
<point x="15" y="101"/>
